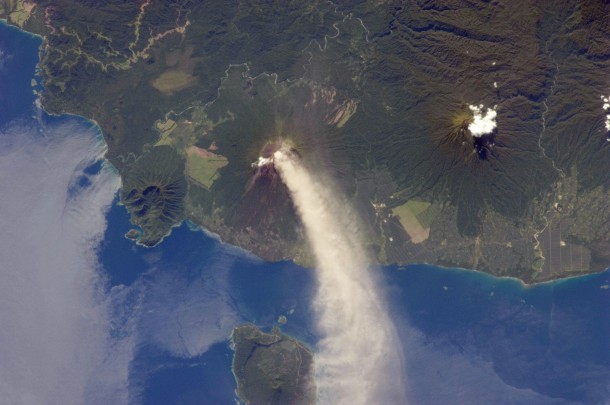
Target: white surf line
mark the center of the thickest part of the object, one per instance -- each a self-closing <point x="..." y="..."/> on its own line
<point x="359" y="357"/>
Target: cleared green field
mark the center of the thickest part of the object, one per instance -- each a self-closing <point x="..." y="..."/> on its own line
<point x="172" y="81"/>
<point x="165" y="128"/>
<point x="204" y="169"/>
<point x="409" y="214"/>
<point x="428" y="216"/>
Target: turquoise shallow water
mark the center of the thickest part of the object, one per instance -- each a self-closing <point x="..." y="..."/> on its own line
<point x="467" y="337"/>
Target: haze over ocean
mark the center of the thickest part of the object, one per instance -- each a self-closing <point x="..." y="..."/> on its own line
<point x="152" y="326"/>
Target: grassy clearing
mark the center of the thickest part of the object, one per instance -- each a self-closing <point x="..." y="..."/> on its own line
<point x="172" y="81"/>
<point x="202" y="166"/>
<point x="165" y="128"/>
<point x="409" y="214"/>
<point x="16" y="11"/>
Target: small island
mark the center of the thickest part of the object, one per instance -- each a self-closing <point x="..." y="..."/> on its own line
<point x="272" y="368"/>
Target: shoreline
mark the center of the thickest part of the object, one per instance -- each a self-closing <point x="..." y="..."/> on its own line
<point x="391" y="266"/>
<point x="192" y="225"/>
<point x="4" y="21"/>
<point x="522" y="284"/>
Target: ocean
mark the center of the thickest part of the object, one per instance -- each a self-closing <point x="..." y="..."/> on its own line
<point x="467" y="337"/>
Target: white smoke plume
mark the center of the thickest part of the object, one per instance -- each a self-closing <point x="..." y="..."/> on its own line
<point x="359" y="359"/>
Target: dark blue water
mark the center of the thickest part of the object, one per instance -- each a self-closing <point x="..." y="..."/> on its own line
<point x="551" y="338"/>
<point x="205" y="379"/>
<point x="549" y="343"/>
<point x="18" y="60"/>
<point x="256" y="292"/>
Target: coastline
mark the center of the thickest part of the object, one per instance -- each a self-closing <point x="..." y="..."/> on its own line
<point x="251" y="254"/>
<point x="4" y="21"/>
<point x="466" y="337"/>
<point x="522" y="284"/>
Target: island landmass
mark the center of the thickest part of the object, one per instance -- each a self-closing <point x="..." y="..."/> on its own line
<point x="272" y="368"/>
<point x="464" y="135"/>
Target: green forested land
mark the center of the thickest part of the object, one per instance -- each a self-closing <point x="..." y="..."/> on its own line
<point x="364" y="90"/>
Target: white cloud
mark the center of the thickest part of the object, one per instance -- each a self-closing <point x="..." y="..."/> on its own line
<point x="52" y="309"/>
<point x="64" y="339"/>
<point x="484" y="122"/>
<point x="606" y="107"/>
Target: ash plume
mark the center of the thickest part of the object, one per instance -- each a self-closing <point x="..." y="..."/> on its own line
<point x="359" y="357"/>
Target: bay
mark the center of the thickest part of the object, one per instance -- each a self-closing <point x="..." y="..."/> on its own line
<point x="467" y="336"/>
